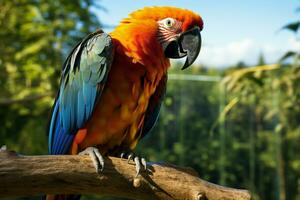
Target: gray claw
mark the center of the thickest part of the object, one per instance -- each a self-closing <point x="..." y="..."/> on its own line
<point x="140" y="163"/>
<point x="96" y="157"/>
<point x="130" y="157"/>
<point x="144" y="163"/>
<point x="137" y="165"/>
<point x="122" y="155"/>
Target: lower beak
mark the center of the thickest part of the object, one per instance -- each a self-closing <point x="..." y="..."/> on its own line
<point x="188" y="44"/>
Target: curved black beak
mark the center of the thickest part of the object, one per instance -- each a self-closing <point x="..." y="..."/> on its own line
<point x="188" y="44"/>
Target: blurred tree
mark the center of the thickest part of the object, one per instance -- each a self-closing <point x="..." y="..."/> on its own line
<point x="35" y="36"/>
<point x="261" y="59"/>
<point x="269" y="97"/>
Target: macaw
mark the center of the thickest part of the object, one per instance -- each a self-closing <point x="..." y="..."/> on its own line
<point x="112" y="85"/>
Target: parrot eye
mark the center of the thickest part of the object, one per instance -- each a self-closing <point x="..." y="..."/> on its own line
<point x="169" y="22"/>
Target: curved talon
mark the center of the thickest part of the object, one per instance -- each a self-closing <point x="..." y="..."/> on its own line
<point x="100" y="158"/>
<point x="140" y="163"/>
<point x="130" y="156"/>
<point x="144" y="163"/>
<point x="96" y="157"/>
<point x="137" y="165"/>
<point x="122" y="155"/>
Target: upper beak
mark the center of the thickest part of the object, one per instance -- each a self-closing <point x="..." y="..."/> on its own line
<point x="188" y="44"/>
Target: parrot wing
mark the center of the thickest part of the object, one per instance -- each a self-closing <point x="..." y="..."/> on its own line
<point x="83" y="78"/>
<point x="153" y="109"/>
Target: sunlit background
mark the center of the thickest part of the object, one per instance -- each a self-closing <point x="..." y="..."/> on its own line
<point x="234" y="116"/>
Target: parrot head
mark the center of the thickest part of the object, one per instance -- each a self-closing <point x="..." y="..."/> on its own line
<point x="173" y="31"/>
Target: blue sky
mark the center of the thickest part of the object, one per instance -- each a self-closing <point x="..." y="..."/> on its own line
<point x="234" y="30"/>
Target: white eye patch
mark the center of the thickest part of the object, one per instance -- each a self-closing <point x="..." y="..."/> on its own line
<point x="167" y="22"/>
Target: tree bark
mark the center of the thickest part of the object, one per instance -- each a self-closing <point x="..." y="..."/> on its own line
<point x="66" y="174"/>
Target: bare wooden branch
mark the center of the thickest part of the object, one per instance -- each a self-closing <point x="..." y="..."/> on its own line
<point x="36" y="175"/>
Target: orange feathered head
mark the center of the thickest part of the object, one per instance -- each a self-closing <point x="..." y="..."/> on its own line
<point x="161" y="33"/>
<point x="188" y="18"/>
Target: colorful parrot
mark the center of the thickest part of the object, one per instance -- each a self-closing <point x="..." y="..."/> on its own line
<point x="112" y="85"/>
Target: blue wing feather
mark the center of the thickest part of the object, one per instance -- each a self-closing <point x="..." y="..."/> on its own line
<point x="80" y="88"/>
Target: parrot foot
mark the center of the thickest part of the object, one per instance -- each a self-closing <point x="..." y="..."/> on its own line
<point x="96" y="157"/>
<point x="140" y="162"/>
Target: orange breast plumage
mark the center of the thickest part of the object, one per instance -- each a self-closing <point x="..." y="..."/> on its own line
<point x="118" y="117"/>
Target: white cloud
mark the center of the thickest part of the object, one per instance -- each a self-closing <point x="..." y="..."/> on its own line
<point x="246" y="50"/>
<point x="293" y="43"/>
<point x="227" y="54"/>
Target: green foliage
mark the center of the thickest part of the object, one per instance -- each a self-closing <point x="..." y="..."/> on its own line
<point x="269" y="98"/>
<point x="35" y="37"/>
<point x="292" y="26"/>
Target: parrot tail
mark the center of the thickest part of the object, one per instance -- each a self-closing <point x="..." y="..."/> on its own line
<point x="61" y="197"/>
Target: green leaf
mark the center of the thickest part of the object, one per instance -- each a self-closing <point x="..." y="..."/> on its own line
<point x="287" y="55"/>
<point x="292" y="26"/>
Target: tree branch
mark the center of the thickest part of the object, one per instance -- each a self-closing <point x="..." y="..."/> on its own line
<point x="36" y="175"/>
